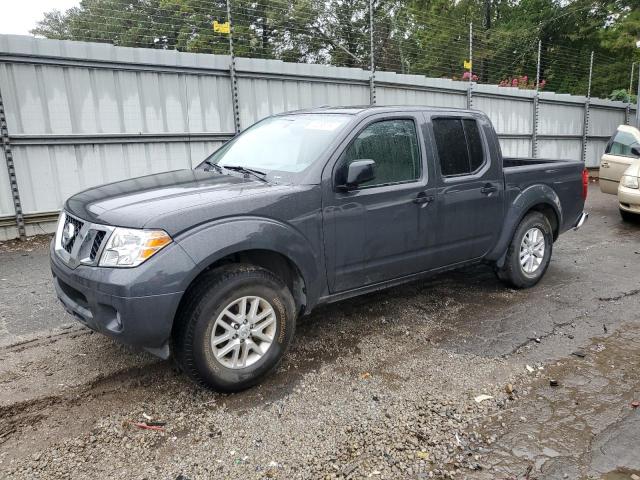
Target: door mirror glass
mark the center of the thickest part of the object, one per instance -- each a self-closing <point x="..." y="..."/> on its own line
<point x="635" y="151"/>
<point x="359" y="172"/>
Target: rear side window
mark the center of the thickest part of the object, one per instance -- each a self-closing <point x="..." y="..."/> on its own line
<point x="621" y="144"/>
<point x="459" y="146"/>
<point x="474" y="143"/>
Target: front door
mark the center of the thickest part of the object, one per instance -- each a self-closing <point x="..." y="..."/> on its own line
<point x="470" y="190"/>
<point x="617" y="158"/>
<point x="379" y="231"/>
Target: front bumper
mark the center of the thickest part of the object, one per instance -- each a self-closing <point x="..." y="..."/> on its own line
<point x="122" y="303"/>
<point x="629" y="199"/>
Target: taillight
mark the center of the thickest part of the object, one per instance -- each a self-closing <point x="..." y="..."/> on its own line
<point x="585" y="183"/>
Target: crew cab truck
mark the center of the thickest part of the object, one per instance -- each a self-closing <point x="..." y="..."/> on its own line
<point x="213" y="265"/>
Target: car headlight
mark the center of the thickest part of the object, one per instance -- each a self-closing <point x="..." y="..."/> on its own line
<point x="128" y="247"/>
<point x="629" y="181"/>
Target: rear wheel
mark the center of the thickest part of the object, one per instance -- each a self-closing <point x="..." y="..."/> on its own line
<point x="235" y="327"/>
<point x="529" y="253"/>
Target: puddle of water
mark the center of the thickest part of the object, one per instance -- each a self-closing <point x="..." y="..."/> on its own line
<point x="621" y="475"/>
<point x="584" y="427"/>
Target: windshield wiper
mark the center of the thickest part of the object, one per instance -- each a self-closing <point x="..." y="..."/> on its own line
<point x="214" y="165"/>
<point x="247" y="171"/>
<point x="237" y="168"/>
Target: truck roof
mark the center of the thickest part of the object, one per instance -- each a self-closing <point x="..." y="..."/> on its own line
<point x="359" y="109"/>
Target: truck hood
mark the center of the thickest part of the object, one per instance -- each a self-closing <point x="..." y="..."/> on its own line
<point x="134" y="203"/>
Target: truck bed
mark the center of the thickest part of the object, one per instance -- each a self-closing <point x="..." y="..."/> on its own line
<point x="564" y="177"/>
<point x="508" y="162"/>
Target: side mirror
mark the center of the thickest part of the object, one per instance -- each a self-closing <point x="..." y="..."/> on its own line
<point x="635" y="151"/>
<point x="359" y="172"/>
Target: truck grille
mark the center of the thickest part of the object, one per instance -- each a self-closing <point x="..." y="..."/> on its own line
<point x="70" y="240"/>
<point x="97" y="242"/>
<point x="79" y="242"/>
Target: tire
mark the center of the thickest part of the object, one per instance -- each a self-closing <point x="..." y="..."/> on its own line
<point x="629" y="217"/>
<point x="513" y="272"/>
<point x="205" y="315"/>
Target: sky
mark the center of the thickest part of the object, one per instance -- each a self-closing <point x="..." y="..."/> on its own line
<point x="20" y="16"/>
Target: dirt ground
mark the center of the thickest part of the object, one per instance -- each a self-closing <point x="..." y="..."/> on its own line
<point x="382" y="386"/>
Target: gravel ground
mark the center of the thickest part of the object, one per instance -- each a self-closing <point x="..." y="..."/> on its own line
<point x="27" y="305"/>
<point x="382" y="386"/>
<point x="391" y="409"/>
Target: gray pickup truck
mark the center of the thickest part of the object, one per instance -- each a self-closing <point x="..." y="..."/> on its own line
<point x="213" y="265"/>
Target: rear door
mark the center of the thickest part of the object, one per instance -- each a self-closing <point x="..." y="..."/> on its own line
<point x="470" y="189"/>
<point x="617" y="157"/>
<point x="379" y="231"/>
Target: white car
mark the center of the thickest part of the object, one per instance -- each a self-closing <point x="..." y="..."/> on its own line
<point x="629" y="192"/>
<point x="623" y="148"/>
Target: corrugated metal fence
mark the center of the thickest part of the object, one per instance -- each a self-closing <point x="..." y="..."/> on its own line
<point x="81" y="114"/>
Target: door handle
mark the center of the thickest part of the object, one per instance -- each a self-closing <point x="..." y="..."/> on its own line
<point x="604" y="165"/>
<point x="488" y="189"/>
<point x="423" y="198"/>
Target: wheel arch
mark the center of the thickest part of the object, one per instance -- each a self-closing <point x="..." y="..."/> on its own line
<point x="262" y="242"/>
<point x="548" y="211"/>
<point x="537" y="198"/>
<point x="277" y="263"/>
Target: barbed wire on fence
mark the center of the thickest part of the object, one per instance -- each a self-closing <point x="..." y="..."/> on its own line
<point x="404" y="40"/>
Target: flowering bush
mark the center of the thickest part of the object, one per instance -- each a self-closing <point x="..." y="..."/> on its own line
<point x="521" y="81"/>
<point x="465" y="76"/>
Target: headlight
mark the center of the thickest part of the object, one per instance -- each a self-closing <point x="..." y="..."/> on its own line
<point x="629" y="181"/>
<point x="127" y="247"/>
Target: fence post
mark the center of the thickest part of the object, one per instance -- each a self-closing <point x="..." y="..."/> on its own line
<point x="232" y="70"/>
<point x="536" y="107"/>
<point x="627" y="110"/>
<point x="638" y="101"/>
<point x="470" y="85"/>
<point x="13" y="183"/>
<point x="372" y="74"/>
<point x="585" y="125"/>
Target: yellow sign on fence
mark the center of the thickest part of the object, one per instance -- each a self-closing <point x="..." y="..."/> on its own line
<point x="467" y="64"/>
<point x="221" y="27"/>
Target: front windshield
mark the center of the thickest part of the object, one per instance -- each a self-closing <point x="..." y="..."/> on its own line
<point x="288" y="143"/>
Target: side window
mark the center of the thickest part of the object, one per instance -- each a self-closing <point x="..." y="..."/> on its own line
<point x="393" y="145"/>
<point x="622" y="143"/>
<point x="474" y="142"/>
<point x="452" y="149"/>
<point x="459" y="145"/>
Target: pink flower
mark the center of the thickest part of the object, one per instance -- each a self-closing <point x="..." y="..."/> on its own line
<point x="514" y="82"/>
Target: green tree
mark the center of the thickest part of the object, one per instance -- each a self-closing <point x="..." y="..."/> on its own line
<point x="55" y="24"/>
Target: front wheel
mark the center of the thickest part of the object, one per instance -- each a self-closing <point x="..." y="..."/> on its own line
<point x="628" y="216"/>
<point x="234" y="328"/>
<point x="529" y="252"/>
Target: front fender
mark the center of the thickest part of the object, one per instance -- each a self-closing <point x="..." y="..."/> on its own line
<point x="211" y="242"/>
<point x="521" y="205"/>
